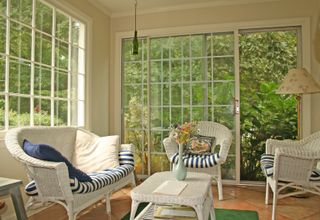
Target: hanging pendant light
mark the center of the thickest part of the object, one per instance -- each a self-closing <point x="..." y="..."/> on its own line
<point x="135" y="43"/>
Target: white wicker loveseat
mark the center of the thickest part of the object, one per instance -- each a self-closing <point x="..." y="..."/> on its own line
<point x="291" y="164"/>
<point x="210" y="164"/>
<point x="52" y="180"/>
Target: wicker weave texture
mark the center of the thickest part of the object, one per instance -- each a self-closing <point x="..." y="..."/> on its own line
<point x="52" y="178"/>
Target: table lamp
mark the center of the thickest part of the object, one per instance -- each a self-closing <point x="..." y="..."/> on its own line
<point x="298" y="82"/>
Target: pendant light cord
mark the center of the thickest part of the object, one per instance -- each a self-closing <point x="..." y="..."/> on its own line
<point x="135" y="15"/>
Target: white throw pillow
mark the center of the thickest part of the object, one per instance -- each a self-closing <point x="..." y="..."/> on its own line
<point x="97" y="153"/>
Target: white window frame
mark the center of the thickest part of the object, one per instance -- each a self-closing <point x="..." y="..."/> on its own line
<point x="72" y="13"/>
<point x="215" y="28"/>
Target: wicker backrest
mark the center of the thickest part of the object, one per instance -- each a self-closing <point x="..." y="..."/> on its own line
<point x="61" y="138"/>
<point x="221" y="133"/>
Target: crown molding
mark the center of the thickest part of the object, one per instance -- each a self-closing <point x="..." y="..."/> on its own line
<point x="217" y="3"/>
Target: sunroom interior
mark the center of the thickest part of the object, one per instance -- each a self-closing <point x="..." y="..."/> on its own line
<point x="204" y="60"/>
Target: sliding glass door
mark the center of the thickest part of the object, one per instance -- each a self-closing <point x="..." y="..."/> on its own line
<point x="177" y="79"/>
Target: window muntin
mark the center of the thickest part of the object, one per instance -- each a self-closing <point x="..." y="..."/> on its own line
<point x="42" y="56"/>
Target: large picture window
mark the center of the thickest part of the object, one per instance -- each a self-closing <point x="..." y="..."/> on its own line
<point x="42" y="65"/>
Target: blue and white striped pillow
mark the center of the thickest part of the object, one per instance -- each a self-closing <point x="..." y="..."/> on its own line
<point x="197" y="160"/>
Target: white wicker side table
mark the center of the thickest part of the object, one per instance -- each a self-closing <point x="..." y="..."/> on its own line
<point x="197" y="194"/>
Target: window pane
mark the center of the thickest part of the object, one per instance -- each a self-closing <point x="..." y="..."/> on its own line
<point x="224" y="115"/>
<point x="62" y="26"/>
<point x="156" y="117"/>
<point x="166" y="94"/>
<point x="61" y="112"/>
<point x="19" y="111"/>
<point x="132" y="91"/>
<point x="223" y="93"/>
<point x="165" y="71"/>
<point x="198" y="114"/>
<point x="176" y="70"/>
<point x="20" y="41"/>
<point x="61" y="55"/>
<point x="176" y="92"/>
<point x="199" y="69"/>
<point x="3" y="7"/>
<point x="21" y="10"/>
<point x="19" y="77"/>
<point x="186" y="94"/>
<point x="42" y="81"/>
<point x="197" y="45"/>
<point x="176" y="115"/>
<point x="222" y="44"/>
<point x="134" y="72"/>
<point x="43" y="48"/>
<point x="61" y="84"/>
<point x="44" y="16"/>
<point x="199" y="94"/>
<point x="2" y="73"/>
<point x="155" y="91"/>
<point x="42" y="111"/>
<point x="155" y="74"/>
<point x="223" y="68"/>
<point x="3" y="26"/>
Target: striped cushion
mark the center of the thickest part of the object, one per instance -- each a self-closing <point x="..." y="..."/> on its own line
<point x="267" y="167"/>
<point x="99" y="179"/>
<point x="197" y="160"/>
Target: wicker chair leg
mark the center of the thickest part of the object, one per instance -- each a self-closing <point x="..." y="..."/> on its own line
<point x="267" y="193"/>
<point x="108" y="205"/>
<point x="219" y="183"/>
<point x="70" y="211"/>
<point x="274" y="202"/>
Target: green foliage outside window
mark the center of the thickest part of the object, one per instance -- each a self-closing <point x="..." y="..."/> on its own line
<point x="265" y="58"/>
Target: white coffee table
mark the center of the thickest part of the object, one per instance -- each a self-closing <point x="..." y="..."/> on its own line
<point x="197" y="194"/>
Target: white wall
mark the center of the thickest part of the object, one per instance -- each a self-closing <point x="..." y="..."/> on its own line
<point x="274" y="10"/>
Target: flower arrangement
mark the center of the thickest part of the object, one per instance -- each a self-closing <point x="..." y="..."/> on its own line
<point x="182" y="133"/>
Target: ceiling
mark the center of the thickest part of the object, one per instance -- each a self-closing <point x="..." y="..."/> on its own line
<point x="117" y="8"/>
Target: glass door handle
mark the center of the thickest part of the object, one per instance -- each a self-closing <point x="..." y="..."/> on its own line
<point x="236" y="106"/>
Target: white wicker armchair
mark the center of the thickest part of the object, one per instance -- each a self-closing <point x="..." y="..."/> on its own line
<point x="295" y="162"/>
<point x="52" y="178"/>
<point x="223" y="137"/>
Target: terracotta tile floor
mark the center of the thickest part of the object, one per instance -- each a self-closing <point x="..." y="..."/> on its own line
<point x="235" y="197"/>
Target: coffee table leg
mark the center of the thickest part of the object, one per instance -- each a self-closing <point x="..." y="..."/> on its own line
<point x="134" y="206"/>
<point x="18" y="204"/>
<point x="200" y="211"/>
<point x="212" y="212"/>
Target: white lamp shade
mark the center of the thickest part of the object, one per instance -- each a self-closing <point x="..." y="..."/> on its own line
<point x="298" y="81"/>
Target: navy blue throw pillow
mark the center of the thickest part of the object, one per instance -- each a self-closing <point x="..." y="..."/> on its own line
<point x="46" y="152"/>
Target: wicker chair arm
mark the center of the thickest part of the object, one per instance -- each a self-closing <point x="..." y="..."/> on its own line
<point x="297" y="153"/>
<point x="224" y="149"/>
<point x="272" y="144"/>
<point x="170" y="146"/>
<point x="128" y="147"/>
<point x="52" y="179"/>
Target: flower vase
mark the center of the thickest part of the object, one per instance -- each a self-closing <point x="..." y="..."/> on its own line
<point x="180" y="170"/>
